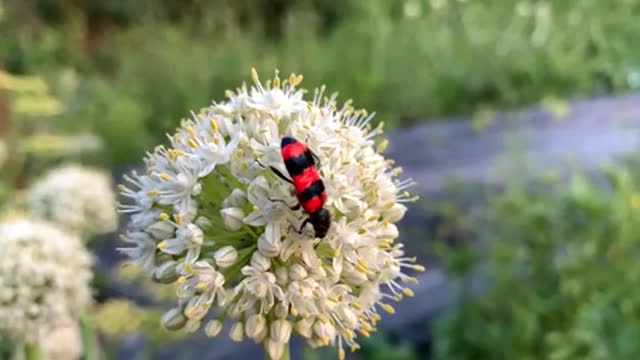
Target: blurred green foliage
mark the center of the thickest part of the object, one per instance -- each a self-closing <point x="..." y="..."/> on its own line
<point x="141" y="66"/>
<point x="563" y="265"/>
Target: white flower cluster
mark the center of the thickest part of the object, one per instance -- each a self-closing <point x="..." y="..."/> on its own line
<point x="210" y="217"/>
<point x="78" y="199"/>
<point x="44" y="277"/>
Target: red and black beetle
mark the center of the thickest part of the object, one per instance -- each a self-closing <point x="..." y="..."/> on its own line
<point x="301" y="166"/>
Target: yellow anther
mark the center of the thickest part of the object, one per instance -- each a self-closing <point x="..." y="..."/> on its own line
<point x="163" y="245"/>
<point x="276" y="81"/>
<point x="388" y="309"/>
<point x="364" y="333"/>
<point x="324" y="339"/>
<point x="189" y="311"/>
<point x="398" y="297"/>
<point x="348" y="334"/>
<point x="419" y="268"/>
<point x="376" y="317"/>
<point x="191" y="132"/>
<point x="362" y="231"/>
<point x="181" y="280"/>
<point x="332" y="299"/>
<point x="177" y="218"/>
<point x="256" y="208"/>
<point x="164" y="216"/>
<point x="254" y="75"/>
<point x="121" y="187"/>
<point x="188" y="268"/>
<point x="239" y="153"/>
<point x="214" y="125"/>
<point x="337" y="253"/>
<point x="408" y="292"/>
<point x="383" y="145"/>
<point x="410" y="280"/>
<point x="165" y="176"/>
<point x="192" y="143"/>
<point x="293" y="310"/>
<point x="296" y="80"/>
<point x="356" y="306"/>
<point x="341" y="354"/>
<point x="201" y="285"/>
<point x="355" y="347"/>
<point x="388" y="205"/>
<point x="152" y="193"/>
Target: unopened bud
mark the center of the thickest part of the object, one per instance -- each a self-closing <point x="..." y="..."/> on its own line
<point x="213" y="328"/>
<point x="173" y="319"/>
<point x="232" y="218"/>
<point x="226" y="256"/>
<point x="166" y="273"/>
<point x="280" y="331"/>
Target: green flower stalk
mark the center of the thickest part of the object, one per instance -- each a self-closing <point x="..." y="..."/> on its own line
<point x="203" y="218"/>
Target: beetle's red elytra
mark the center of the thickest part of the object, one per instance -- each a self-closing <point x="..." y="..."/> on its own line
<point x="301" y="166"/>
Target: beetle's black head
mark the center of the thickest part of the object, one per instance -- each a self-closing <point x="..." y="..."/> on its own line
<point x="321" y="221"/>
<point x="286" y="140"/>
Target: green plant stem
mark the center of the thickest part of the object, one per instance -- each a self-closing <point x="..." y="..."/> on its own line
<point x="89" y="345"/>
<point x="32" y="352"/>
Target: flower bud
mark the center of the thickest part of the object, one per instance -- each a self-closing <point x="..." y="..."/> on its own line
<point x="173" y="319"/>
<point x="396" y="212"/>
<point x="297" y="272"/>
<point x="166" y="273"/>
<point x="281" y="310"/>
<point x="260" y="262"/>
<point x="256" y="327"/>
<point x="280" y="331"/>
<point x="268" y="248"/>
<point x="232" y="217"/>
<point x="225" y="256"/>
<point x="237" y="332"/>
<point x="303" y="327"/>
<point x="192" y="325"/>
<point x="236" y="199"/>
<point x="203" y="222"/>
<point x="213" y="327"/>
<point x="274" y="349"/>
<point x="161" y="230"/>
<point x="282" y="276"/>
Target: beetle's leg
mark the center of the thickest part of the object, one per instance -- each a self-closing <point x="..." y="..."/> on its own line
<point x="277" y="172"/>
<point x="304" y="223"/>
<point x="315" y="160"/>
<point x="294" y="207"/>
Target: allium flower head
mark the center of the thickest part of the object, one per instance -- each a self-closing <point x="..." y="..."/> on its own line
<point x="78" y="199"/>
<point x="205" y="206"/>
<point x="44" y="277"/>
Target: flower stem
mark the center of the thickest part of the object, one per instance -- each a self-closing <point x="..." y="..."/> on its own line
<point x="32" y="352"/>
<point x="89" y="345"/>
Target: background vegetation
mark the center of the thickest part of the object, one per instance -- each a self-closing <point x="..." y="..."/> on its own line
<point x="126" y="67"/>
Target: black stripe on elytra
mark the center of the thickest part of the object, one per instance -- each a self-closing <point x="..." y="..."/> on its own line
<point x="295" y="165"/>
<point x="315" y="189"/>
<point x="309" y="156"/>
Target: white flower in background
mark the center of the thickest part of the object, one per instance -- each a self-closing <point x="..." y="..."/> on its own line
<point x="78" y="199"/>
<point x="203" y="215"/>
<point x="44" y="278"/>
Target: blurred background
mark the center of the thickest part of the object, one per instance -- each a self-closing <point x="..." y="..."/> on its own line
<point x="517" y="118"/>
